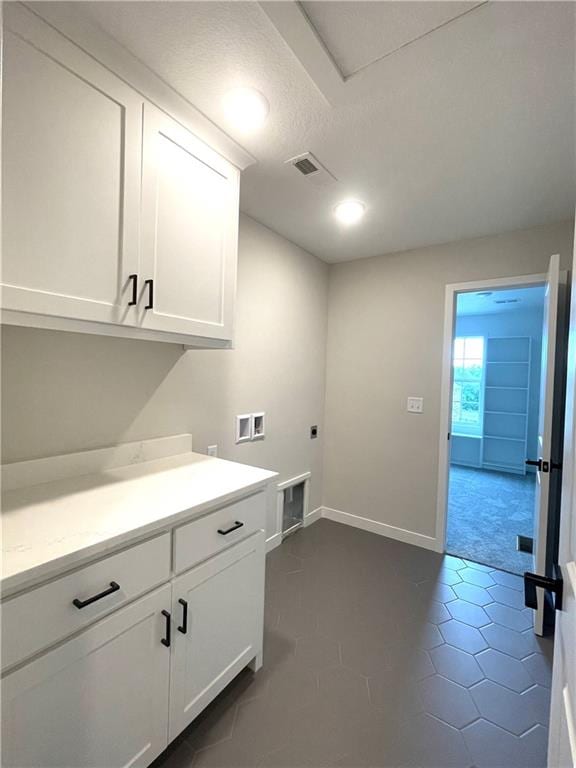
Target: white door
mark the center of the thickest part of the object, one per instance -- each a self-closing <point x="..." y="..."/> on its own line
<point x="545" y="421"/>
<point x="189" y="232"/>
<point x="562" y="744"/>
<point x="100" y="700"/>
<point x="71" y="178"/>
<point x="217" y="613"/>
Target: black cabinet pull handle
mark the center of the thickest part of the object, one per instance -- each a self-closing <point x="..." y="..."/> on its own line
<point x="83" y="603"/>
<point x="234" y="527"/>
<point x="134" y="300"/>
<point x="184" y="626"/>
<point x="166" y="640"/>
<point x="150" y="284"/>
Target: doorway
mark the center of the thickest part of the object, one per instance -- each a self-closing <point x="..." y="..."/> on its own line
<point x="496" y="363"/>
<point x="548" y="460"/>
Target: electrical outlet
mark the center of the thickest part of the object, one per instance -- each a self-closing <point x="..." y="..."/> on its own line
<point x="212" y="450"/>
<point x="415" y="405"/>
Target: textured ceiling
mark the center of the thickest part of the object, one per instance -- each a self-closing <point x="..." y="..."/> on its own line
<point x="467" y="131"/>
<point x="357" y="34"/>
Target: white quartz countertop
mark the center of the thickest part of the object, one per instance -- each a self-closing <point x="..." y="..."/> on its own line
<point x="54" y="526"/>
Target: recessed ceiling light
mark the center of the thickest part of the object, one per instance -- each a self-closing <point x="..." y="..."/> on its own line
<point x="349" y="211"/>
<point x="246" y="108"/>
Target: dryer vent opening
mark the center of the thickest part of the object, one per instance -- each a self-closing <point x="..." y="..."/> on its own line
<point x="292" y="509"/>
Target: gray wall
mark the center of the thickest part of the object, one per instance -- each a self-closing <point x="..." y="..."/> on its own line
<point x="527" y="322"/>
<point x="384" y="343"/>
<point x="66" y="392"/>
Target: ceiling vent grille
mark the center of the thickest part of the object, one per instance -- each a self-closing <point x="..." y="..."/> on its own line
<point x="306" y="166"/>
<point x="312" y="169"/>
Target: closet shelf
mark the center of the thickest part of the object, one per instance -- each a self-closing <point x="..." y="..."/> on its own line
<point x="505" y="386"/>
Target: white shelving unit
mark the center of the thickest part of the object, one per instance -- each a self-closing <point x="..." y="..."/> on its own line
<point x="506" y="401"/>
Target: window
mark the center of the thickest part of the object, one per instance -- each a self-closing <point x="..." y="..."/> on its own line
<point x="467" y="392"/>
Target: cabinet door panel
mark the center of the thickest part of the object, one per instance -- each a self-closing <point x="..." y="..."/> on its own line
<point x="225" y="599"/>
<point x="71" y="157"/>
<point x="190" y="230"/>
<point x="100" y="699"/>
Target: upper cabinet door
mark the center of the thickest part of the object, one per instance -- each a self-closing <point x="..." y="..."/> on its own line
<point x="71" y="178"/>
<point x="189" y="232"/>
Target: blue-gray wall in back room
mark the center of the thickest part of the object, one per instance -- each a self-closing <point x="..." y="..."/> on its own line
<point x="521" y="322"/>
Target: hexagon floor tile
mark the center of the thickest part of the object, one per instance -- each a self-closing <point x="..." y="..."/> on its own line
<point x="378" y="654"/>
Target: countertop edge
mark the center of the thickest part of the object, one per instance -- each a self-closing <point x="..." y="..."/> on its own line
<point x="12" y="585"/>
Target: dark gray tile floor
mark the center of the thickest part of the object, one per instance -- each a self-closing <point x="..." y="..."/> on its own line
<point x="378" y="653"/>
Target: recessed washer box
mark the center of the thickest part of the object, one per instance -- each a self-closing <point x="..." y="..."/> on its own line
<point x="244" y="428"/>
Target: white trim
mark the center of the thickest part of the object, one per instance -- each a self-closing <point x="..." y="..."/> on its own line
<point x="273" y="541"/>
<point x="452" y="290"/>
<point x="294" y="481"/>
<point x="276" y="539"/>
<point x="22" y="474"/>
<point x="312" y="517"/>
<point x="382" y="529"/>
<point x="281" y="487"/>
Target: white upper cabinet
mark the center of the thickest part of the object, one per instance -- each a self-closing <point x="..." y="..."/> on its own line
<point x="189" y="231"/>
<point x="71" y="179"/>
<point x="117" y="219"/>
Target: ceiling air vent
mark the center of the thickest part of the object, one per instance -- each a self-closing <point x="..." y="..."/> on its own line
<point x="312" y="169"/>
<point x="306" y="166"/>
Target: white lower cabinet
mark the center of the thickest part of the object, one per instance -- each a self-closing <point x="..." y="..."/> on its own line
<point x="116" y="693"/>
<point x="99" y="699"/>
<point x="218" y="613"/>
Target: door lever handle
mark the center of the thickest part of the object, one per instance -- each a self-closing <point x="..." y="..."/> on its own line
<point x="533" y="580"/>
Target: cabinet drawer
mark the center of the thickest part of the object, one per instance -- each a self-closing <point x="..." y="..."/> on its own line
<point x="203" y="538"/>
<point x="36" y="619"/>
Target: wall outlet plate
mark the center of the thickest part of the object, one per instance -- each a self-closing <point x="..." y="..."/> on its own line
<point x="244" y="428"/>
<point x="415" y="405"/>
<point x="212" y="450"/>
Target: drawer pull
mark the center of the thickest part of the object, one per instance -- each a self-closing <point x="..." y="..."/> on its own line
<point x="166" y="640"/>
<point x="184" y="626"/>
<point x="234" y="527"/>
<point x="83" y="603"/>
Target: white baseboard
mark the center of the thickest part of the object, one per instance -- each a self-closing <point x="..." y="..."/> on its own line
<point x="273" y="541"/>
<point x="383" y="529"/>
<point x="313" y="516"/>
<point x="276" y="539"/>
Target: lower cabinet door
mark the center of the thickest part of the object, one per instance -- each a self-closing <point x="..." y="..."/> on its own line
<point x="99" y="700"/>
<point x="217" y="615"/>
